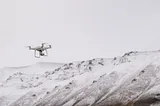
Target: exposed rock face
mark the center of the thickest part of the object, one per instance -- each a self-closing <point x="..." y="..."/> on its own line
<point x="130" y="80"/>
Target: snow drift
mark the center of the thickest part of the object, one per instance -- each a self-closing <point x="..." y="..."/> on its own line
<point x="129" y="80"/>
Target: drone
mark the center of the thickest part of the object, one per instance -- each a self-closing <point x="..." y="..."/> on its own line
<point x="40" y="50"/>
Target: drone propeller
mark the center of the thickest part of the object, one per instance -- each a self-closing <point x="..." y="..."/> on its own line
<point x="28" y="47"/>
<point x="44" y="43"/>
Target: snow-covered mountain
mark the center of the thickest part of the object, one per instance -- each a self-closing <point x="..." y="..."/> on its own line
<point x="14" y="81"/>
<point x="129" y="80"/>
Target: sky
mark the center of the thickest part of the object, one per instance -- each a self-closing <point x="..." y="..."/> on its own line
<point x="76" y="29"/>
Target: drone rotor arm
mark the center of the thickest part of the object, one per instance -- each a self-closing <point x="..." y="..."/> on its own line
<point x="30" y="48"/>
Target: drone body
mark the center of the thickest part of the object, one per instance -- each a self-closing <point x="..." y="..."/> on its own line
<point x="40" y="50"/>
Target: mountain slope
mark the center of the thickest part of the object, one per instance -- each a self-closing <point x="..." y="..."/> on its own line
<point x="14" y="81"/>
<point x="129" y="80"/>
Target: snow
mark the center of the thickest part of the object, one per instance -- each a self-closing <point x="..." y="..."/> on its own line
<point x="16" y="81"/>
<point x="133" y="77"/>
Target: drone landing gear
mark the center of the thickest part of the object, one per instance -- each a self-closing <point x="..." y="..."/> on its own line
<point x="46" y="53"/>
<point x="38" y="54"/>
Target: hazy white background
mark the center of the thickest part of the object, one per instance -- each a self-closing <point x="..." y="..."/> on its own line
<point x="76" y="29"/>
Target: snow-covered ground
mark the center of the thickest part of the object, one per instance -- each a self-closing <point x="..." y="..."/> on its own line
<point x="129" y="80"/>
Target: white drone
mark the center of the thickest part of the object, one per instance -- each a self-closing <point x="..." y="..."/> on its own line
<point x="42" y="50"/>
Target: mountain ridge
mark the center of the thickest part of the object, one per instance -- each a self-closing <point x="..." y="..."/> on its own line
<point x="127" y="80"/>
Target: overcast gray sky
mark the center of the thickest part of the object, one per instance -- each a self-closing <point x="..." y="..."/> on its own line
<point x="77" y="29"/>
